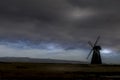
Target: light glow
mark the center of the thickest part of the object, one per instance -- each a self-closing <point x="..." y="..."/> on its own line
<point x="106" y="51"/>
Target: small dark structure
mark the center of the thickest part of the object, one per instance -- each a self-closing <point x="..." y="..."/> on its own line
<point x="96" y="57"/>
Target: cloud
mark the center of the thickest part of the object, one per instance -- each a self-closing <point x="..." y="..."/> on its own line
<point x="69" y="23"/>
<point x="64" y="21"/>
<point x="41" y="20"/>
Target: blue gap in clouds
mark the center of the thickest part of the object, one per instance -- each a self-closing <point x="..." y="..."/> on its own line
<point x="18" y="44"/>
<point x="27" y="44"/>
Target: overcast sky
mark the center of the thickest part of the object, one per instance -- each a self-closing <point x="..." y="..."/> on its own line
<point x="59" y="29"/>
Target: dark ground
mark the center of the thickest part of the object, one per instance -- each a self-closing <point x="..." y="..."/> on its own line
<point x="47" y="71"/>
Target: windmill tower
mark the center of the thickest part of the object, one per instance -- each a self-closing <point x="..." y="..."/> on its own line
<point x="95" y="51"/>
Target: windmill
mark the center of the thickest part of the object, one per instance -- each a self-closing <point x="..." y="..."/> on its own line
<point x="95" y="52"/>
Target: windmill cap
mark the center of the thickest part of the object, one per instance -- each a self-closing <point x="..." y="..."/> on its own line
<point x="97" y="48"/>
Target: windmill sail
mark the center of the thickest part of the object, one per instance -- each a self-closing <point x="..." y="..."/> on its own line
<point x="89" y="53"/>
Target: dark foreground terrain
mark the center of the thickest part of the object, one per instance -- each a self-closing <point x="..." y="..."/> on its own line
<point x="47" y="71"/>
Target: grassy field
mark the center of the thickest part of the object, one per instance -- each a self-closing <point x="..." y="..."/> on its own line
<point x="61" y="71"/>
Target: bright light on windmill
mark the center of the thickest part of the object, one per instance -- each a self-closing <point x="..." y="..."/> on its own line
<point x="106" y="51"/>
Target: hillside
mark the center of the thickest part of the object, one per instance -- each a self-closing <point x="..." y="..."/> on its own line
<point x="35" y="60"/>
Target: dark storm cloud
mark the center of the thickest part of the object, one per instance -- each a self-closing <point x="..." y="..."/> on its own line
<point x="44" y="10"/>
<point x="28" y="18"/>
<point x="70" y="22"/>
<point x="96" y="4"/>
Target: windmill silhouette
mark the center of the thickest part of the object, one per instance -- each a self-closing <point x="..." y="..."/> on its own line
<point x="95" y="51"/>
